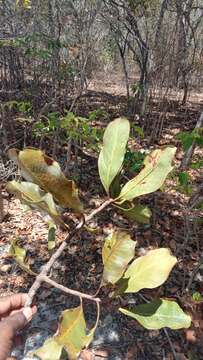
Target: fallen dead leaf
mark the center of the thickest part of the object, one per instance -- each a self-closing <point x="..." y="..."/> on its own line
<point x="86" y="355"/>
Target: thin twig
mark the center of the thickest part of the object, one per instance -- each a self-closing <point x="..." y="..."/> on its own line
<point x="98" y="315"/>
<point x="65" y="289"/>
<point x="171" y="344"/>
<point x="194" y="273"/>
<point x="99" y="209"/>
<point x="47" y="267"/>
<point x="187" y="236"/>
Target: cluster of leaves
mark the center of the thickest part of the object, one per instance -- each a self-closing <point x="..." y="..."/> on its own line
<point x="36" y="45"/>
<point x="47" y="127"/>
<point x="98" y="114"/>
<point x="46" y="188"/>
<point x="156" y="167"/>
<point x="24" y="110"/>
<point x="81" y="131"/>
<point x="133" y="160"/>
<point x="76" y="128"/>
<point x="188" y="138"/>
<point x="184" y="183"/>
<point x="21" y="106"/>
<point x="46" y="185"/>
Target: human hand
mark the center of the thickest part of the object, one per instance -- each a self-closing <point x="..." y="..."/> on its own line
<point x="13" y="318"/>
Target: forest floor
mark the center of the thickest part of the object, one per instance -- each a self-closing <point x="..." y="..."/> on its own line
<point x="80" y="266"/>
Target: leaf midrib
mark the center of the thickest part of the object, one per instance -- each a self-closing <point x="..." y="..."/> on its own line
<point x="111" y="157"/>
<point x="158" y="316"/>
<point x="70" y="329"/>
<point x="129" y="190"/>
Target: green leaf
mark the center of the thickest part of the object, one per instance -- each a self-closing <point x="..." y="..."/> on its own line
<point x="112" y="154"/>
<point x="186" y="138"/>
<point x="69" y="120"/>
<point x="117" y="252"/>
<point x="139" y="131"/>
<point x="19" y="254"/>
<point x="197" y="164"/>
<point x="31" y="195"/>
<point x="138" y="212"/>
<point x="133" y="160"/>
<point x="159" y="314"/>
<point x="41" y="169"/>
<point x="196" y="296"/>
<point x="151" y="178"/>
<point x="184" y="183"/>
<point x="51" y="236"/>
<point x="71" y="336"/>
<point x="115" y="187"/>
<point x="199" y="141"/>
<point x="183" y="178"/>
<point x="148" y="271"/>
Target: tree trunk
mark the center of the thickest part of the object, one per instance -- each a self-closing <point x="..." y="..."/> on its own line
<point x="122" y="55"/>
<point x="160" y="21"/>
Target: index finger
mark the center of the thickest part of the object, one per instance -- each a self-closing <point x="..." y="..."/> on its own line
<point x="12" y="302"/>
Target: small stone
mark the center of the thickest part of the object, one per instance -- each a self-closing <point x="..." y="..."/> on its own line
<point x="191" y="336"/>
<point x="5" y="268"/>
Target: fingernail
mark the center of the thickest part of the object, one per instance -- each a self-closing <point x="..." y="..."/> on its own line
<point x="27" y="312"/>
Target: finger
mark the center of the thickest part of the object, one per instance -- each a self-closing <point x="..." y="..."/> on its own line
<point x="12" y="302"/>
<point x="8" y="329"/>
<point x="18" y="340"/>
<point x="34" y="310"/>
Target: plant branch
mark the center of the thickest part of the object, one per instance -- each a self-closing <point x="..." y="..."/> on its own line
<point x="47" y="267"/>
<point x="44" y="278"/>
<point x="99" y="209"/>
<point x="170" y="343"/>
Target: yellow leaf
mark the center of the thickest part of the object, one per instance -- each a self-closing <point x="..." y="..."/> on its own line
<point x="148" y="271"/>
<point x="31" y="195"/>
<point x="41" y="169"/>
<point x="71" y="335"/>
<point x="19" y="254"/>
<point x="117" y="252"/>
<point x="157" y="166"/>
